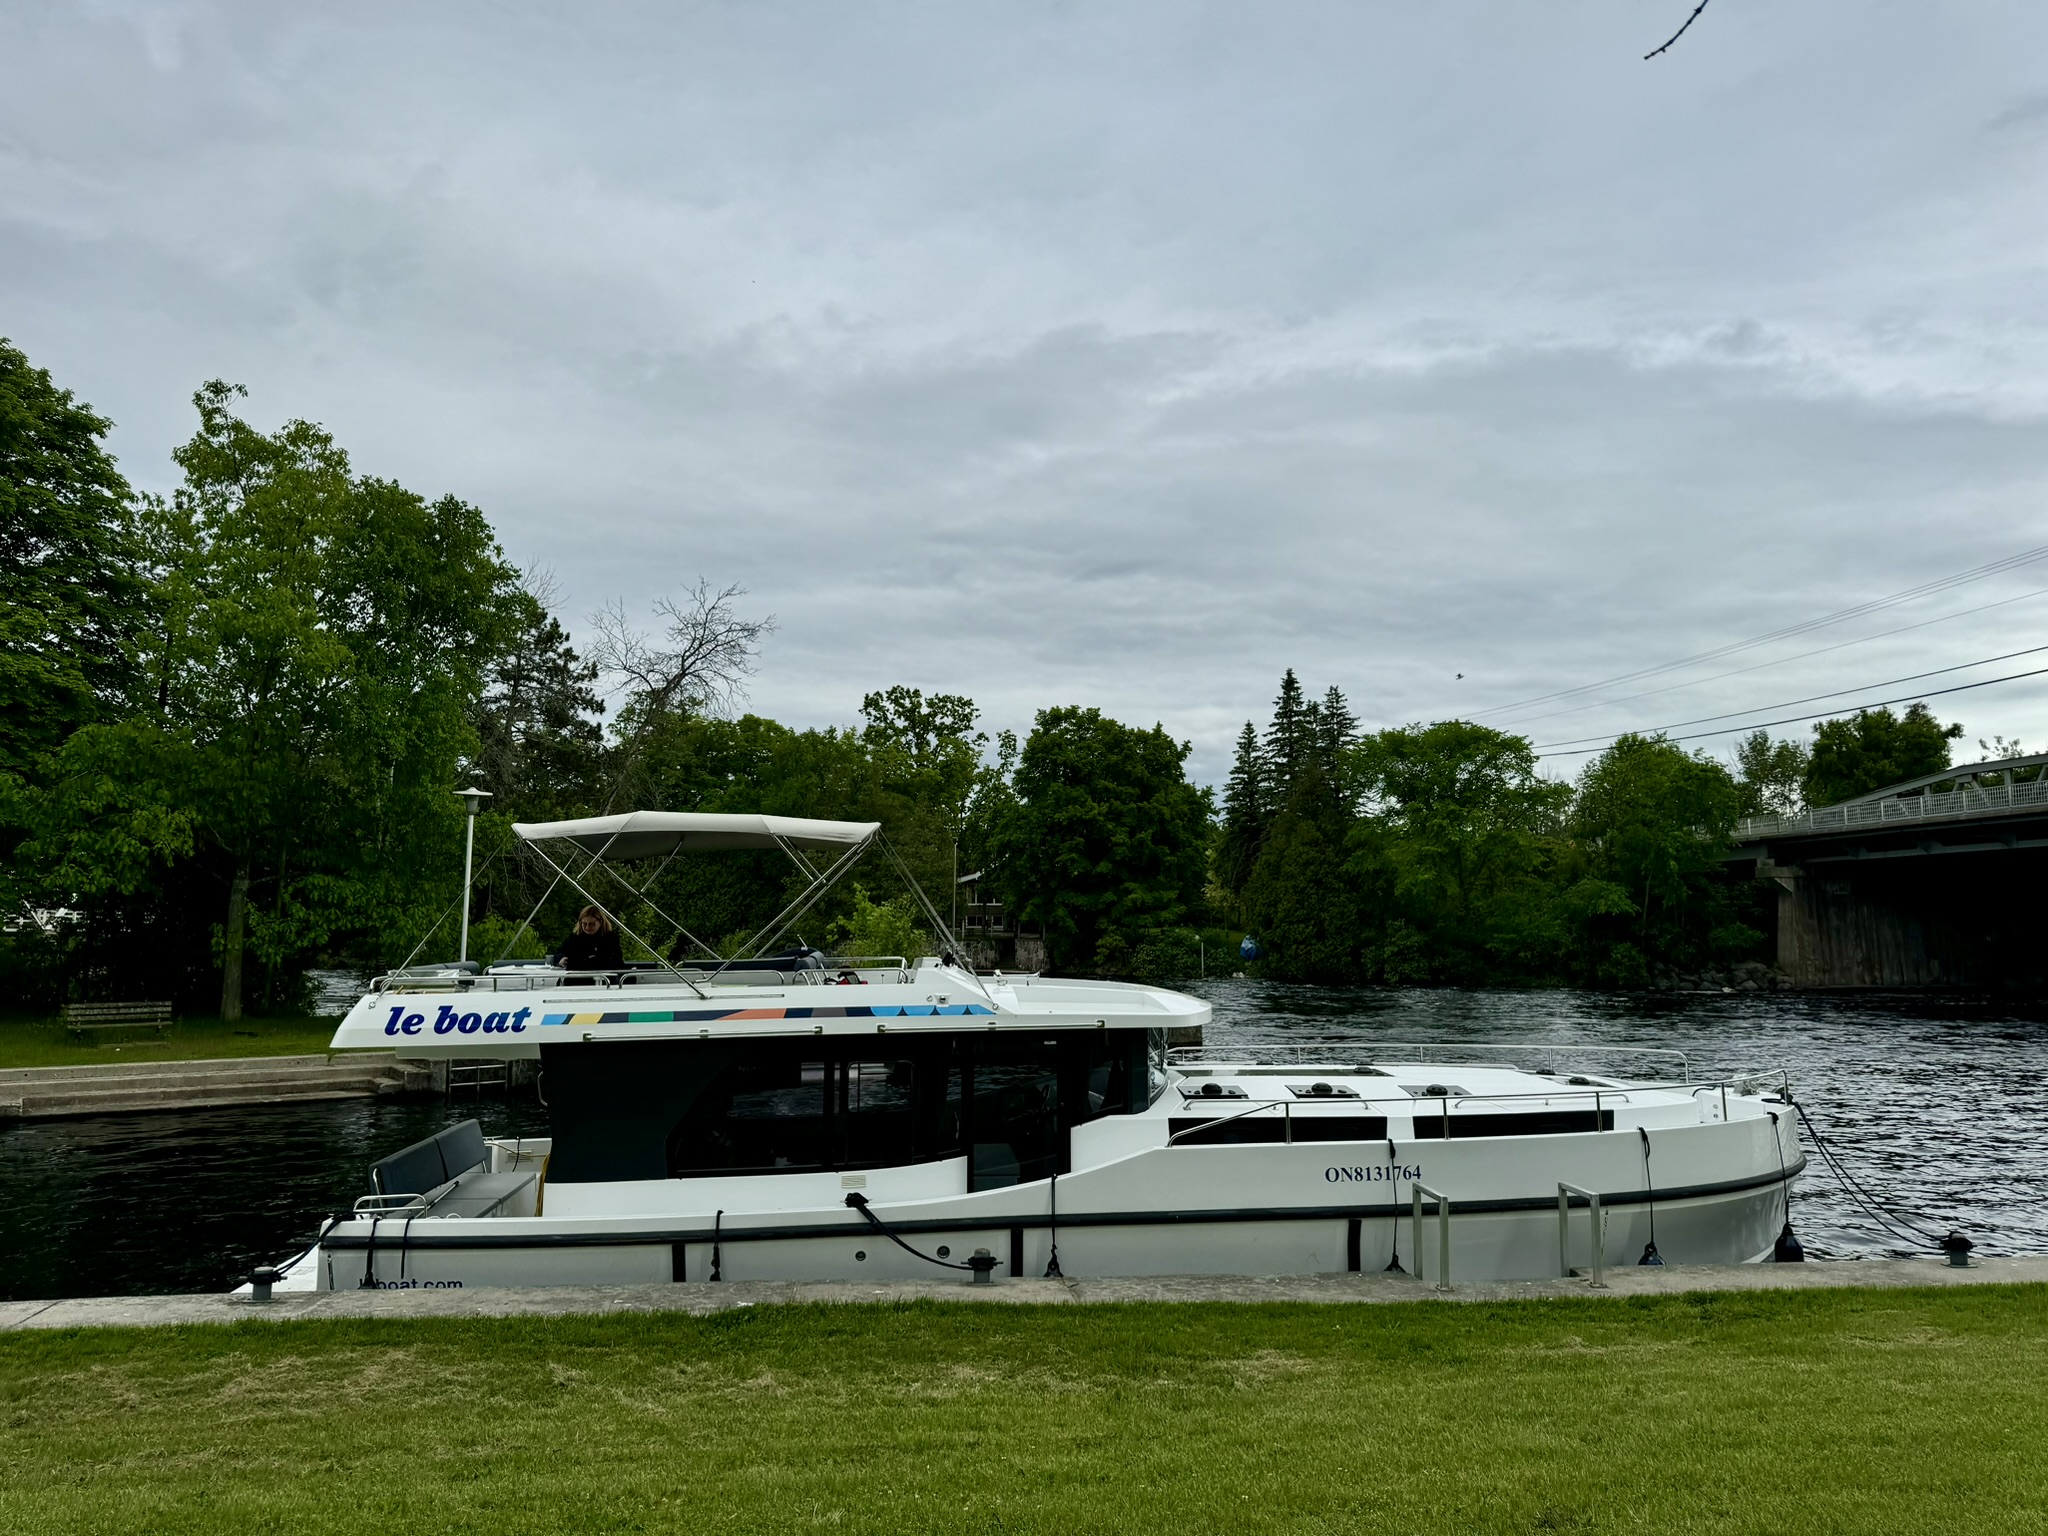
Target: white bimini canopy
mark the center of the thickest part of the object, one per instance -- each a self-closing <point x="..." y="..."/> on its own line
<point x="653" y="834"/>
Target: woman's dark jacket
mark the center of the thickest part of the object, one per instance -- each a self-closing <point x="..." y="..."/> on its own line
<point x="592" y="951"/>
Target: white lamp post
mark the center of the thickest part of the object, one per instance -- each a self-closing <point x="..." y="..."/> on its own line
<point x="472" y="802"/>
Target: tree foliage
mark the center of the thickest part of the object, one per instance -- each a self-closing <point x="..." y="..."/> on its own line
<point x="1106" y="843"/>
<point x="1873" y="748"/>
<point x="70" y="581"/>
<point x="231" y="721"/>
<point x="310" y="646"/>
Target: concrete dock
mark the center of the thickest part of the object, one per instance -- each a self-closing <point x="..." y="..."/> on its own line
<point x="32" y="1093"/>
<point x="701" y="1298"/>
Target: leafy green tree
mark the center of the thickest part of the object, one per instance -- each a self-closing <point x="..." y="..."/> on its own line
<point x="1459" y="832"/>
<point x="540" y="743"/>
<point x="927" y="762"/>
<point x="1652" y="821"/>
<point x="1873" y="748"/>
<point x="70" y="580"/>
<point x="1771" y="774"/>
<point x="314" y="645"/>
<point x="1106" y="844"/>
<point x="876" y="928"/>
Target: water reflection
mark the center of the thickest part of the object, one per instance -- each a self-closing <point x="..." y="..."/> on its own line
<point x="189" y="1201"/>
<point x="1932" y="1102"/>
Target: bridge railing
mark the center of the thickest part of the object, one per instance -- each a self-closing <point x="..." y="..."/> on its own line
<point x="1964" y="800"/>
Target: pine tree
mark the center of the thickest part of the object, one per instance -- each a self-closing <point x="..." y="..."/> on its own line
<point x="1339" y="726"/>
<point x="1287" y="738"/>
<point x="1336" y="734"/>
<point x="1247" y="810"/>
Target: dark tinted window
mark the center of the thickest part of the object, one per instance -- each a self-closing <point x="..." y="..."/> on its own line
<point x="765" y="1114"/>
<point x="790" y="1105"/>
<point x="782" y="1109"/>
<point x="874" y="1124"/>
<point x="1015" y="1118"/>
<point x="1270" y="1125"/>
<point x="1540" y="1122"/>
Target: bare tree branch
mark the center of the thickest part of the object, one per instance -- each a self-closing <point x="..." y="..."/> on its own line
<point x="701" y="662"/>
<point x="1674" y="37"/>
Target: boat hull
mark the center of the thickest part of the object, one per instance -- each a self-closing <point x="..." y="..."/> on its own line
<point x="1271" y="1210"/>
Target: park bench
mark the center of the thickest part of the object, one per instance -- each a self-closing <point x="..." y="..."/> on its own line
<point x="84" y="1018"/>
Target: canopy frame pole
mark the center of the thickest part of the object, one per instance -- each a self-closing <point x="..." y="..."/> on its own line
<point x="425" y="938"/>
<point x="945" y="931"/>
<point x="613" y="871"/>
<point x="527" y="921"/>
<point x="617" y="922"/>
<point x="795" y="856"/>
<point x="806" y="899"/>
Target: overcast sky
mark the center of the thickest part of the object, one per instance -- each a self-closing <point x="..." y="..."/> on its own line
<point x="1109" y="354"/>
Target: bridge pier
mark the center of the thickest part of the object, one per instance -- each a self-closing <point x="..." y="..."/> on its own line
<point x="1915" y="885"/>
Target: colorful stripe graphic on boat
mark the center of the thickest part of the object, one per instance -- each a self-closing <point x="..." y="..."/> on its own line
<point x="735" y="1015"/>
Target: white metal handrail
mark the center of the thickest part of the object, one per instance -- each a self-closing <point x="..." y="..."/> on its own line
<point x="546" y="978"/>
<point x="391" y="1205"/>
<point x="1365" y="1050"/>
<point x="1420" y="1192"/>
<point x="1564" y="1230"/>
<point x="1747" y="1084"/>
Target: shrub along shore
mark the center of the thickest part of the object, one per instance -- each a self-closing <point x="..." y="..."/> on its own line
<point x="1823" y="1411"/>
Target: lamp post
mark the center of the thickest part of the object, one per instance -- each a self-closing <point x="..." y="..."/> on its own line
<point x="472" y="802"/>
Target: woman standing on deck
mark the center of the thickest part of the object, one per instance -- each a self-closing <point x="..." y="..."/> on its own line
<point x="593" y="945"/>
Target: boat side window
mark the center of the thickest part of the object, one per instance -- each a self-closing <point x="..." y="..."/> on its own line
<point x="1006" y="1103"/>
<point x="765" y="1114"/>
<point x="874" y="1115"/>
<point x="784" y="1110"/>
<point x="1015" y="1116"/>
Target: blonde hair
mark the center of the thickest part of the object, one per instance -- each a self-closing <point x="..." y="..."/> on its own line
<point x="603" y="922"/>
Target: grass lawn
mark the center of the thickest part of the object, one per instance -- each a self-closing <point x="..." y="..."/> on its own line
<point x="1809" y="1412"/>
<point x="45" y="1043"/>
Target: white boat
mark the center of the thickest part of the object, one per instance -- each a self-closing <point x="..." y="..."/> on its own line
<point x="799" y="1116"/>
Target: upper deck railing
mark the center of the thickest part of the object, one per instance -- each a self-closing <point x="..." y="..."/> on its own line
<point x="1333" y="1052"/>
<point x="1965" y="800"/>
<point x="539" y="976"/>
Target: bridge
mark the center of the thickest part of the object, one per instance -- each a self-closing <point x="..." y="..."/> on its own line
<point x="1940" y="881"/>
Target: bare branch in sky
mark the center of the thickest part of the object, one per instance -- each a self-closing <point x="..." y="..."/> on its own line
<point x="701" y="661"/>
<point x="1674" y="37"/>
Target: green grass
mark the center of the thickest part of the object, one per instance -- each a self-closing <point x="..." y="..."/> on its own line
<point x="45" y="1042"/>
<point x="1809" y="1412"/>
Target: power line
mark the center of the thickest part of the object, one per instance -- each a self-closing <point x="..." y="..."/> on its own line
<point x="1761" y="725"/>
<point x="1890" y="682"/>
<point x="1762" y="666"/>
<point x="1925" y="589"/>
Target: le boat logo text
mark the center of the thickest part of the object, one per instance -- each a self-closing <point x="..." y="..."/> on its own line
<point x="448" y="1021"/>
<point x="1378" y="1173"/>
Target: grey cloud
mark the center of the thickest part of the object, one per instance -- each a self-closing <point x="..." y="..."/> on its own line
<point x="1119" y="355"/>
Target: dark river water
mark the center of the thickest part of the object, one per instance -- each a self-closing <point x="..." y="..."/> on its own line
<point x="1934" y="1105"/>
